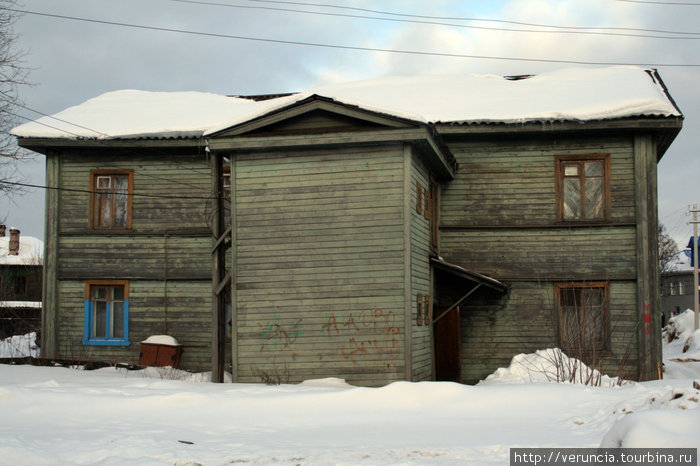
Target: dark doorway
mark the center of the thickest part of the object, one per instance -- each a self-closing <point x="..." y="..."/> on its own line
<point x="446" y="334"/>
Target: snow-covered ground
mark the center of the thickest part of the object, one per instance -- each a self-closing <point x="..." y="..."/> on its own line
<point x="55" y="415"/>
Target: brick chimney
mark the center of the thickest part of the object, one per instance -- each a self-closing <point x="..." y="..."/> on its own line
<point x="2" y="231"/>
<point x="14" y="242"/>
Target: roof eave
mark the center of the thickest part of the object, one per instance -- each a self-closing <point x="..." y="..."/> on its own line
<point x="665" y="128"/>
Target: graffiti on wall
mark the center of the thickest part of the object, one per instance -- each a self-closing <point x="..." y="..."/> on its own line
<point x="368" y="332"/>
<point x="276" y="335"/>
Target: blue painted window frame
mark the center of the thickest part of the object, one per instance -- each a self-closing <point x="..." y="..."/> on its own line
<point x="88" y="308"/>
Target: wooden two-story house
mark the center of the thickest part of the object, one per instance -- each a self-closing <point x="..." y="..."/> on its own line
<point x="396" y="229"/>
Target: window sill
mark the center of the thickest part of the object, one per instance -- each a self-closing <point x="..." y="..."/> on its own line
<point x="106" y="342"/>
<point x="109" y="231"/>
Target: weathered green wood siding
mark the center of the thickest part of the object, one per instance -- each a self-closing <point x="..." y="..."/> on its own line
<point x="315" y="121"/>
<point x="319" y="265"/>
<point x="511" y="182"/>
<point x="647" y="258"/>
<point x="544" y="254"/>
<point x="172" y="192"/>
<point x="496" y="329"/>
<point x="165" y="255"/>
<point x="49" y="306"/>
<point x="186" y="315"/>
<point x="499" y="217"/>
<point x="420" y="272"/>
<point x="135" y="257"/>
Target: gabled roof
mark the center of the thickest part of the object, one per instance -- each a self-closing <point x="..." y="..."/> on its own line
<point x="577" y="94"/>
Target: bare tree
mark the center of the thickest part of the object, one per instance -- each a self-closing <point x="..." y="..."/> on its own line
<point x="668" y="251"/>
<point x="12" y="75"/>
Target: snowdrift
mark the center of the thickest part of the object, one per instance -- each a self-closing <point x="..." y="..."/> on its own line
<point x="549" y="365"/>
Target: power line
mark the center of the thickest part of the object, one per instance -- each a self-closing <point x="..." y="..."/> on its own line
<point x="121" y="193"/>
<point x="59" y="119"/>
<point x="44" y="124"/>
<point x="348" y="47"/>
<point x="461" y="18"/>
<point x="558" y="29"/>
<point x="682" y="209"/>
<point x="661" y="3"/>
<point x="154" y="150"/>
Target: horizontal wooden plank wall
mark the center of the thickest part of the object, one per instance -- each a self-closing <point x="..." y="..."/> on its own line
<point x="186" y="316"/>
<point x="180" y="182"/>
<point x="420" y="272"/>
<point x="512" y="182"/>
<point x="499" y="217"/>
<point x="319" y="265"/>
<point x="135" y="257"/>
<point x="165" y="255"/>
<point x="600" y="253"/>
<point x="494" y="330"/>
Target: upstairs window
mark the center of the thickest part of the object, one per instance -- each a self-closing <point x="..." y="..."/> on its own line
<point x="19" y="286"/>
<point x="432" y="207"/>
<point x="111" y="199"/>
<point x="106" y="313"/>
<point x="582" y="187"/>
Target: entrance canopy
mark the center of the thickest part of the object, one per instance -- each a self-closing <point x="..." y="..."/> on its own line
<point x="456" y="270"/>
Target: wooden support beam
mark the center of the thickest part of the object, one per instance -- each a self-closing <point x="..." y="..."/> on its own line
<point x="457" y="303"/>
<point x="232" y="256"/>
<point x="224" y="237"/>
<point x="222" y="285"/>
<point x="49" y="314"/>
<point x="218" y="269"/>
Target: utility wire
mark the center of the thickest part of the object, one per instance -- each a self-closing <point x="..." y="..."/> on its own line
<point x="461" y="18"/>
<point x="121" y="193"/>
<point x="347" y="47"/>
<point x="559" y="30"/>
<point x="154" y="150"/>
<point x="58" y="119"/>
<point x="662" y="3"/>
<point x="44" y="124"/>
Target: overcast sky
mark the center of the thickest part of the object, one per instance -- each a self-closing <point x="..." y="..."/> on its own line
<point x="72" y="61"/>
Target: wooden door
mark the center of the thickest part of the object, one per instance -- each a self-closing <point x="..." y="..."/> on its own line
<point x="446" y="334"/>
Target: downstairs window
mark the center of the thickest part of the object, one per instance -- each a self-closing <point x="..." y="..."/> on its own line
<point x="106" y="313"/>
<point x="582" y="310"/>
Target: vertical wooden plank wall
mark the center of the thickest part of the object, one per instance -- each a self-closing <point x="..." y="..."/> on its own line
<point x="420" y="272"/>
<point x="408" y="200"/>
<point x="649" y="314"/>
<point x="233" y="267"/>
<point x="319" y="253"/>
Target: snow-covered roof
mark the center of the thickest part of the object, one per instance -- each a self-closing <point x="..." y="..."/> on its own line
<point x="21" y="304"/>
<point x="31" y="251"/>
<point x="575" y="94"/>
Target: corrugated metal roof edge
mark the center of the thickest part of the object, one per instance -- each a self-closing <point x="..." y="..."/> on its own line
<point x="470" y="275"/>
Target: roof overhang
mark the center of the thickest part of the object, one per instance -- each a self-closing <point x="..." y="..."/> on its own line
<point x="45" y="145"/>
<point x="441" y="264"/>
<point x="665" y="129"/>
